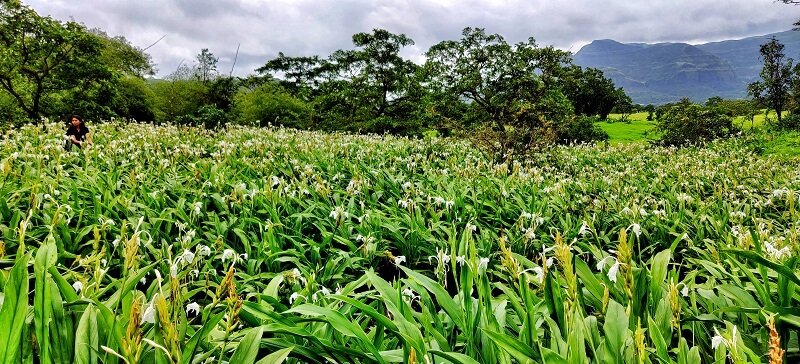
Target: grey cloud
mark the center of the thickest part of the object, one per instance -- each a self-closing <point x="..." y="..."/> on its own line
<point x="320" y="27"/>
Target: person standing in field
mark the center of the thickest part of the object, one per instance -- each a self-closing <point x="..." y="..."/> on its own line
<point x="77" y="133"/>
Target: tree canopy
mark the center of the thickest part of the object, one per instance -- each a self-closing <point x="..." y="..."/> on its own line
<point x="41" y="58"/>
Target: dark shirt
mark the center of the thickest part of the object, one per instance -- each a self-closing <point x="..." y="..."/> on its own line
<point x="80" y="135"/>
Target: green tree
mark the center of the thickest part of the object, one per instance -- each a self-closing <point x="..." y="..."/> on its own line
<point x="122" y="56"/>
<point x="591" y="93"/>
<point x="689" y="124"/>
<point x="776" y="78"/>
<point x="300" y="74"/>
<point x="512" y="91"/>
<point x="41" y="58"/>
<point x="271" y="104"/>
<point x="369" y="89"/>
<point x="206" y="66"/>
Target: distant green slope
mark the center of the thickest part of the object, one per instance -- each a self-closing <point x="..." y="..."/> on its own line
<point x="666" y="72"/>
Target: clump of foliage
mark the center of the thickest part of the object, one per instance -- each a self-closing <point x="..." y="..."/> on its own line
<point x="688" y="124"/>
<point x="207" y="116"/>
<point x="582" y="129"/>
<point x="270" y="104"/>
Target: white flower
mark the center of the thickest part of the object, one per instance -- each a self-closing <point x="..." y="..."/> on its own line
<point x="549" y="262"/>
<point x="538" y="274"/>
<point x="461" y="260"/>
<point x="685" y="291"/>
<point x="637" y="229"/>
<point x="294" y="297"/>
<point x="584" y="228"/>
<point x="449" y="204"/>
<point x="471" y="227"/>
<point x="410" y="293"/>
<point x="149" y="314"/>
<point x="339" y="213"/>
<point x="530" y="234"/>
<point x="196" y="207"/>
<point x="228" y="254"/>
<point x="626" y="210"/>
<point x="78" y="286"/>
<point x="203" y="250"/>
<point x="612" y="272"/>
<point x="602" y="263"/>
<point x="187" y="256"/>
<point x="483" y="263"/>
<point x="400" y="259"/>
<point x="717" y="339"/>
<point x="193" y="307"/>
<point x="173" y="270"/>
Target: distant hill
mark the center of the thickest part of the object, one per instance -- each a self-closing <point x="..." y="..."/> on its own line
<point x="666" y="72"/>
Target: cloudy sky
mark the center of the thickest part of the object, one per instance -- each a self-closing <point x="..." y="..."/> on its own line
<point x="262" y="28"/>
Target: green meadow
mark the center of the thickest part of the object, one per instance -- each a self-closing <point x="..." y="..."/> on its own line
<point x="162" y="244"/>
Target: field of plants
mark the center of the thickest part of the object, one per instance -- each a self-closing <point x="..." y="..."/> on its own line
<point x="161" y="244"/>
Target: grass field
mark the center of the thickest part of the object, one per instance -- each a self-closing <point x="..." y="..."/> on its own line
<point x="163" y="244"/>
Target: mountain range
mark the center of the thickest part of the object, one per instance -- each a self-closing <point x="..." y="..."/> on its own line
<point x="666" y="72"/>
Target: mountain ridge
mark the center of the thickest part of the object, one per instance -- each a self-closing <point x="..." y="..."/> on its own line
<point x="657" y="73"/>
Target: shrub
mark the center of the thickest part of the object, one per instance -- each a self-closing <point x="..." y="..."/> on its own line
<point x="270" y="104"/>
<point x="687" y="124"/>
<point x="581" y="129"/>
<point x="208" y="116"/>
<point x="789" y="122"/>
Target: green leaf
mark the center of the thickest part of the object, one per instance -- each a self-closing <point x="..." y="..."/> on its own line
<point x="277" y="357"/>
<point x="523" y="353"/>
<point x="339" y="323"/>
<point x="755" y="257"/>
<point x="14" y="311"/>
<point x="247" y="350"/>
<point x="456" y="358"/>
<point x="86" y="337"/>
<point x="442" y="297"/>
<point x="658" y="275"/>
<point x="616" y="330"/>
<point x="42" y="307"/>
<point x="191" y="346"/>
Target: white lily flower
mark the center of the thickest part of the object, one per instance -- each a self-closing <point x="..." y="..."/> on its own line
<point x="483" y="263"/>
<point x="149" y="314"/>
<point x="410" y="294"/>
<point x="193" y="307"/>
<point x="637" y="229"/>
<point x="400" y="259"/>
<point x="228" y="254"/>
<point x="612" y="272"/>
<point x="461" y="260"/>
<point x="78" y="286"/>
<point x="602" y="263"/>
<point x="584" y="228"/>
<point x="203" y="250"/>
<point x="294" y="297"/>
<point x="717" y="339"/>
<point x="187" y="256"/>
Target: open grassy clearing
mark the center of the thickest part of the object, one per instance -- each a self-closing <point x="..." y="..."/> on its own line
<point x="161" y="244"/>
